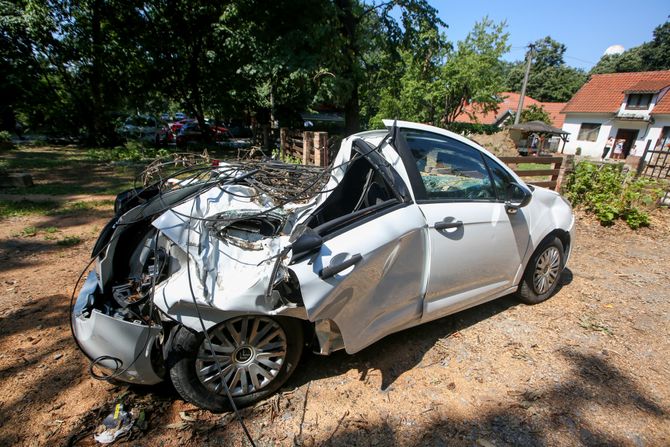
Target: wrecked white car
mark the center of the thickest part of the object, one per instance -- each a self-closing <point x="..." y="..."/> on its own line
<point x="219" y="282"/>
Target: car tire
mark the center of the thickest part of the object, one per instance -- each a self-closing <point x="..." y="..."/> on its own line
<point x="194" y="373"/>
<point x="543" y="272"/>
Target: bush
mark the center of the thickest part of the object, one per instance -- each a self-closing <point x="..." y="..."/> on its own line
<point x="462" y="128"/>
<point x="5" y="137"/>
<point x="610" y="194"/>
<point x="131" y="151"/>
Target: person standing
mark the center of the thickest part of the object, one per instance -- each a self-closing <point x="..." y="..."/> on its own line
<point x="608" y="147"/>
<point x="618" y="148"/>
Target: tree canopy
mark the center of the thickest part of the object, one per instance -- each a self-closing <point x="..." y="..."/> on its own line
<point x="650" y="56"/>
<point x="551" y="79"/>
<point x="78" y="67"/>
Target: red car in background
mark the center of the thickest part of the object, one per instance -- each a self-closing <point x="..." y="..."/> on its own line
<point x="192" y="132"/>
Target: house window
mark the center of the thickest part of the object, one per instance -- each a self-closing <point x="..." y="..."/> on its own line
<point x="637" y="101"/>
<point x="588" y="132"/>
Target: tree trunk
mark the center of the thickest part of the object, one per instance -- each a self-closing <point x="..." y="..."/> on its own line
<point x="93" y="122"/>
<point x="348" y="24"/>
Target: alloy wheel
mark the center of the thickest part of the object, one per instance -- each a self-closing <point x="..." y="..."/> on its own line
<point x="547" y="268"/>
<point x="247" y="353"/>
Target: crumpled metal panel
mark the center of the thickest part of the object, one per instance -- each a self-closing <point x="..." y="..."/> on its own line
<point x="230" y="274"/>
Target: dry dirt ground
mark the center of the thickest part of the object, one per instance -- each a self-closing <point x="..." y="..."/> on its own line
<point x="588" y="367"/>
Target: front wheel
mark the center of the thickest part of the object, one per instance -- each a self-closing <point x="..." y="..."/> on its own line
<point x="253" y="355"/>
<point x="543" y="272"/>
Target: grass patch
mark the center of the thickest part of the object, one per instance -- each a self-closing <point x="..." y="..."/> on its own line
<point x="69" y="241"/>
<point x="61" y="189"/>
<point x="79" y="207"/>
<point x="29" y="231"/>
<point x="10" y="208"/>
<point x="532" y="166"/>
<point x="25" y="207"/>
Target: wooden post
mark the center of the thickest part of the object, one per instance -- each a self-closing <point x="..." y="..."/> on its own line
<point x="283" y="141"/>
<point x="567" y="167"/>
<point x="266" y="136"/>
<point x="307" y="146"/>
<point x="321" y="149"/>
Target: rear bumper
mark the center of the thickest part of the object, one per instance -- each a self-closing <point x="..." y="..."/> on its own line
<point x="126" y="346"/>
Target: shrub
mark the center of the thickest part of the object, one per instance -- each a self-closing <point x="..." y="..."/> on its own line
<point x="5" y="137"/>
<point x="131" y="151"/>
<point x="610" y="194"/>
<point x="476" y="128"/>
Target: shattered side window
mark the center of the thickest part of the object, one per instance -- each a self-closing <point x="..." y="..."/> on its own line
<point x="449" y="169"/>
<point x="361" y="188"/>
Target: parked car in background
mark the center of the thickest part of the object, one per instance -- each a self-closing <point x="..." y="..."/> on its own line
<point x="192" y="132"/>
<point x="143" y="127"/>
<point x="220" y="283"/>
<point x="180" y="116"/>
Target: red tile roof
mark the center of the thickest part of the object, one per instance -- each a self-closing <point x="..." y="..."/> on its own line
<point x="554" y="111"/>
<point x="604" y="93"/>
<point x="648" y="86"/>
<point x="510" y="102"/>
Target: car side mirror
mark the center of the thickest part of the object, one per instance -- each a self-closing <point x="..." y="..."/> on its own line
<point x="308" y="242"/>
<point x="517" y="197"/>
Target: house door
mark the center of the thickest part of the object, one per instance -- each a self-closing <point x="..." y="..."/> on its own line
<point x="629" y="135"/>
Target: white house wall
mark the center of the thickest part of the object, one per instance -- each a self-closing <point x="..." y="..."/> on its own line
<point x="654" y="133"/>
<point x="609" y="127"/>
<point x="572" y="124"/>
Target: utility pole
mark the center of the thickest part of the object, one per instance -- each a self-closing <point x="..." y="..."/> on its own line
<point x="529" y="58"/>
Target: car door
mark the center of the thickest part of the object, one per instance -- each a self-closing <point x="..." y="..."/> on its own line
<point x="476" y="247"/>
<point x="368" y="273"/>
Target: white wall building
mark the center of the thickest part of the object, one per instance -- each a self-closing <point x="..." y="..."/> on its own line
<point x="632" y="108"/>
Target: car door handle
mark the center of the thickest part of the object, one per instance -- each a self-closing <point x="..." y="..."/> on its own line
<point x="447" y="225"/>
<point x="333" y="270"/>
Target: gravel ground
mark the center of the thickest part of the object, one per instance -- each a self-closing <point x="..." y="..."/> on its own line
<point x="587" y="367"/>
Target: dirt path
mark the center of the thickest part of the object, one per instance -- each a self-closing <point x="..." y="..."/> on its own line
<point x="588" y="367"/>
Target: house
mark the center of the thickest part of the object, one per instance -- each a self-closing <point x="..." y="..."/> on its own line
<point x="509" y="102"/>
<point x="631" y="107"/>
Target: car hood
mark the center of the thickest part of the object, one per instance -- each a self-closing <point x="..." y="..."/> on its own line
<point x="233" y="239"/>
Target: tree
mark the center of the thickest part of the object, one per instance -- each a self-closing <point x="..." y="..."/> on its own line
<point x="656" y="54"/>
<point x="473" y="72"/>
<point x="551" y="79"/>
<point x="370" y="34"/>
<point x="628" y="61"/>
<point x="413" y="92"/>
<point x="650" y="56"/>
<point x="535" y="113"/>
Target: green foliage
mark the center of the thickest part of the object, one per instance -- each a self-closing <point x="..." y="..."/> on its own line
<point x="470" y="128"/>
<point x="473" y="73"/>
<point x="535" y="113"/>
<point x="550" y="80"/>
<point x="29" y="231"/>
<point x="9" y="208"/>
<point x="650" y="56"/>
<point x="131" y="151"/>
<point x="5" y="137"/>
<point x="69" y="241"/>
<point x="610" y="194"/>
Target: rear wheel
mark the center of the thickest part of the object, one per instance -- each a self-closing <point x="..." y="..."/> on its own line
<point x="253" y="355"/>
<point x="543" y="272"/>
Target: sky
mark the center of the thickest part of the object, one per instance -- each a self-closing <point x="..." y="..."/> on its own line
<point x="585" y="27"/>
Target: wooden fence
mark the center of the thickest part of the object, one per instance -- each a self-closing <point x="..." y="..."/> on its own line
<point x="309" y="147"/>
<point x="556" y="169"/>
